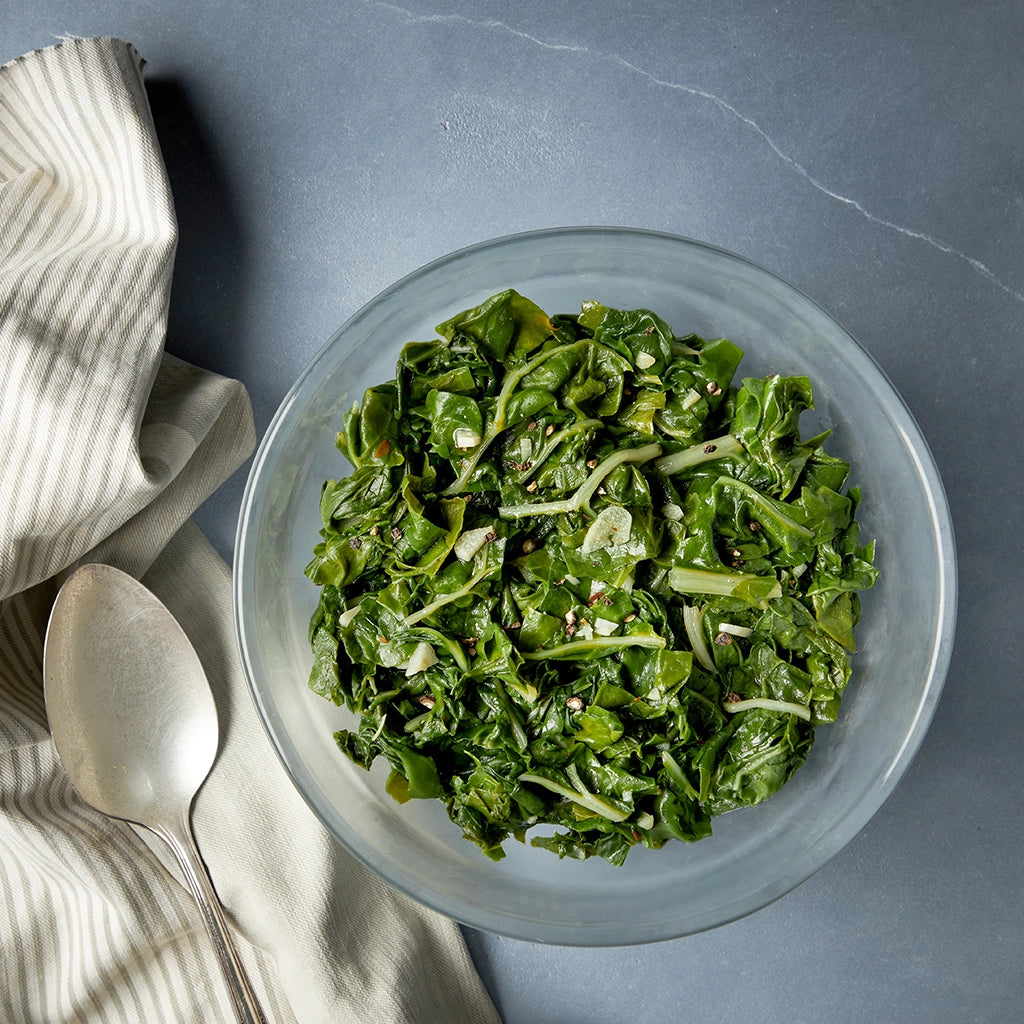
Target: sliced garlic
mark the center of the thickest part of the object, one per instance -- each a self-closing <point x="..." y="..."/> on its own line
<point x="465" y="438"/>
<point x="422" y="657"/>
<point x="347" y="616"/>
<point x="735" y="630"/>
<point x="611" y="527"/>
<point x="470" y="542"/>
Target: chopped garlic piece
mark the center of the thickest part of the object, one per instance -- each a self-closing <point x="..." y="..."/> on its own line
<point x="644" y="361"/>
<point x="422" y="657"/>
<point x="731" y="627"/>
<point x="612" y="526"/>
<point x="347" y="616"/>
<point x="465" y="438"/>
<point x="470" y="542"/>
<point x="691" y="398"/>
<point x="605" y="627"/>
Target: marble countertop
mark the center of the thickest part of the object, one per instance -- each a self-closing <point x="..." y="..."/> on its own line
<point x="872" y="154"/>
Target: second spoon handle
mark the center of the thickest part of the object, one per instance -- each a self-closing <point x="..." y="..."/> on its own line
<point x="178" y="836"/>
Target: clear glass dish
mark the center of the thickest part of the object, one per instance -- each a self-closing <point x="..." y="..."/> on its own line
<point x="755" y="855"/>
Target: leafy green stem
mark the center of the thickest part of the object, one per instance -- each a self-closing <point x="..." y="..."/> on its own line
<point x="676" y="774"/>
<point x="438" y="638"/>
<point x="581" y="796"/>
<point x="784" y="706"/>
<point x="718" y="448"/>
<point x="596" y="645"/>
<point x="467" y="588"/>
<point x="551" y="443"/>
<point x="769" y="511"/>
<point x="580" y="499"/>
<point x="755" y="589"/>
<point x="693" y="623"/>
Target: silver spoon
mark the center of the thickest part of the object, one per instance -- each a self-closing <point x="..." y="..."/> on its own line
<point x="134" y="722"/>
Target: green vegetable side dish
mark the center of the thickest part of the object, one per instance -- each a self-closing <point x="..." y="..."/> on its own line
<point x="578" y="578"/>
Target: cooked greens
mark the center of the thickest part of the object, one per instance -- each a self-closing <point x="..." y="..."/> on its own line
<point x="581" y="582"/>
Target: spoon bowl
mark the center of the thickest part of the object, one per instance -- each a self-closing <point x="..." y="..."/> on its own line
<point x="128" y="702"/>
<point x="135" y="725"/>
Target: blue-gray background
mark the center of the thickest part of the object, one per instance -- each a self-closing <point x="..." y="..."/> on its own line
<point x="871" y="153"/>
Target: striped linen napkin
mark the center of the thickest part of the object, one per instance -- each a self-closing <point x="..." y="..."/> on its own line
<point x="107" y="446"/>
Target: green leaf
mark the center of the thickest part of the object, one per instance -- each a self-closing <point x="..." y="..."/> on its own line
<point x="759" y="758"/>
<point x="378" y="426"/>
<point x="457" y="423"/>
<point x="639" y="335"/>
<point x="506" y="324"/>
<point x="766" y="421"/>
<point x="598" y="727"/>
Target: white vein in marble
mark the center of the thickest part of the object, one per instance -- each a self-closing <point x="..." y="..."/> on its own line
<point x="495" y="25"/>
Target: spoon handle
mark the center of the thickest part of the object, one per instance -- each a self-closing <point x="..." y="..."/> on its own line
<point x="178" y="837"/>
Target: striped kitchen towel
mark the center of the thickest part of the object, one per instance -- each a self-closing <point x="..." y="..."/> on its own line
<point x="107" y="446"/>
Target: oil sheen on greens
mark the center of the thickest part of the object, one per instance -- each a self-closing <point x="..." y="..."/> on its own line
<point x="580" y="582"/>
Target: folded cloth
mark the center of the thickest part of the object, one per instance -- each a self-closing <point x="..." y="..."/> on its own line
<point x="107" y="446"/>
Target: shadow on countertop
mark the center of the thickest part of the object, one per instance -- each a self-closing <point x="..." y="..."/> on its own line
<point x="211" y="279"/>
<point x="210" y="272"/>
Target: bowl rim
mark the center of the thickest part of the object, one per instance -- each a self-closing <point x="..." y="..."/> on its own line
<point x="942" y="641"/>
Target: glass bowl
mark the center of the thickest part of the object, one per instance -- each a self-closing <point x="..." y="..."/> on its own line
<point x="755" y="855"/>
